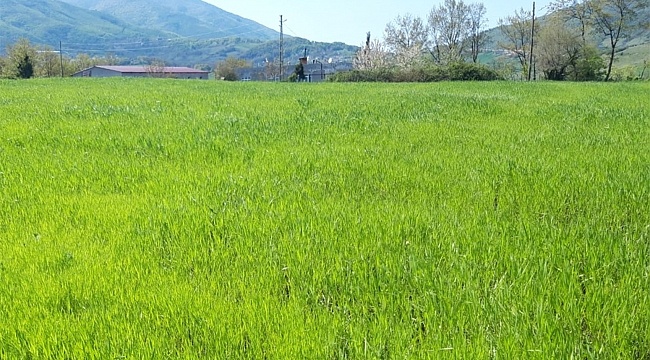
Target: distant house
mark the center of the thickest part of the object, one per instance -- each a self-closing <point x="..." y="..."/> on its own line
<point x="143" y="71"/>
<point x="314" y="71"/>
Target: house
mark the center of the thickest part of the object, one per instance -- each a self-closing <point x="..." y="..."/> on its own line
<point x="314" y="71"/>
<point x="143" y="71"/>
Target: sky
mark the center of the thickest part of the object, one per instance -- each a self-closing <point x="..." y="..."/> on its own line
<point x="348" y="20"/>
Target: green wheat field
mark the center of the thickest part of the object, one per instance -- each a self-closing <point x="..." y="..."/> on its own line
<point x="163" y="219"/>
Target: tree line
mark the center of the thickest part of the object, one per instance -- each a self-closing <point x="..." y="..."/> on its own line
<point x="562" y="46"/>
<point x="24" y="60"/>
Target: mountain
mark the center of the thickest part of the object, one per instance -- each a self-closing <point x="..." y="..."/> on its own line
<point x="47" y="22"/>
<point x="179" y="32"/>
<point x="186" y="18"/>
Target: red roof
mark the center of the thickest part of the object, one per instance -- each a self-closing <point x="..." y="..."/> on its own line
<point x="147" y="69"/>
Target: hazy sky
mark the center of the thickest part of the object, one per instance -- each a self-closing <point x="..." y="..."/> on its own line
<point x="349" y="20"/>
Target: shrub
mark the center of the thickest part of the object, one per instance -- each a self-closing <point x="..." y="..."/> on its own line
<point x="453" y="72"/>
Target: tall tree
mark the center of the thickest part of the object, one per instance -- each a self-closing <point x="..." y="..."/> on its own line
<point x="406" y="38"/>
<point x="517" y="30"/>
<point x="49" y="62"/>
<point x="450" y="26"/>
<point x="577" y="11"/>
<point x="26" y="67"/>
<point x="558" y="49"/>
<point x="613" y="18"/>
<point x="20" y="62"/>
<point x="477" y="22"/>
<point x="577" y="18"/>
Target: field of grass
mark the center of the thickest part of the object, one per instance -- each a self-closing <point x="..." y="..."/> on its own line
<point x="152" y="219"/>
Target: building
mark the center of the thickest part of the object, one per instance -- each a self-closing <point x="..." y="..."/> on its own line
<point x="143" y="71"/>
<point x="315" y="71"/>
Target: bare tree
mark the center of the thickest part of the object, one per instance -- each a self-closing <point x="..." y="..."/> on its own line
<point x="517" y="30"/>
<point x="577" y="11"/>
<point x="156" y="68"/>
<point x="613" y="18"/>
<point x="49" y="63"/>
<point x="477" y="22"/>
<point x="372" y="55"/>
<point x="450" y="27"/>
<point x="271" y="70"/>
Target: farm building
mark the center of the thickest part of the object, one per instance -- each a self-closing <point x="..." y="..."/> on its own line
<point x="143" y="71"/>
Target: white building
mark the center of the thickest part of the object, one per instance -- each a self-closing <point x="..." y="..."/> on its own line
<point x="143" y="71"/>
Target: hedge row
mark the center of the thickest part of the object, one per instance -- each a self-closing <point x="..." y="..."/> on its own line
<point x="453" y="72"/>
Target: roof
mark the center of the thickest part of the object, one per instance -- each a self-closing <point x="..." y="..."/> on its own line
<point x="147" y="69"/>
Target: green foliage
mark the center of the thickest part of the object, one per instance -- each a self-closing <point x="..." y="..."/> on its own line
<point x="20" y="60"/>
<point x="174" y="219"/>
<point x="226" y="69"/>
<point x="453" y="72"/>
<point x="25" y="67"/>
<point x="590" y="66"/>
<point x="298" y="73"/>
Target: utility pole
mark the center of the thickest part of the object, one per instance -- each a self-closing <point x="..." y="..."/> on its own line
<point x="532" y="45"/>
<point x="281" y="47"/>
<point x="61" y="57"/>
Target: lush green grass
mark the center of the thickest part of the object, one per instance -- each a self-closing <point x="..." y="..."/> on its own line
<point x="173" y="219"/>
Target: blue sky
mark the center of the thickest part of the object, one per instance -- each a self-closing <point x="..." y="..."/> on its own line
<point x="349" y="20"/>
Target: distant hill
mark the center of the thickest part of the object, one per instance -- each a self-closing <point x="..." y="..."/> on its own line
<point x="186" y="33"/>
<point x="47" y="22"/>
<point x="187" y="18"/>
<point x="631" y="51"/>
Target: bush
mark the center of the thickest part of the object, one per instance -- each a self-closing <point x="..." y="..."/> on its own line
<point x="453" y="72"/>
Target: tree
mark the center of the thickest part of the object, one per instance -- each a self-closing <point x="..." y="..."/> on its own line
<point x="406" y="38"/>
<point x="576" y="16"/>
<point x="49" y="62"/>
<point x="20" y="60"/>
<point x="82" y="61"/>
<point x="558" y="49"/>
<point x="477" y="22"/>
<point x="574" y="10"/>
<point x="226" y="69"/>
<point x="271" y="70"/>
<point x="613" y="18"/>
<point x="26" y="67"/>
<point x="156" y="68"/>
<point x="450" y="27"/>
<point x="371" y="56"/>
<point x="298" y="73"/>
<point x="517" y="30"/>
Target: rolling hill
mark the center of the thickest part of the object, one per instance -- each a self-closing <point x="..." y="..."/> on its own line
<point x="631" y="51"/>
<point x="187" y="18"/>
<point x="47" y="22"/>
<point x="187" y="33"/>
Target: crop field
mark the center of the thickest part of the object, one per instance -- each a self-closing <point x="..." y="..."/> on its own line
<point x="162" y="219"/>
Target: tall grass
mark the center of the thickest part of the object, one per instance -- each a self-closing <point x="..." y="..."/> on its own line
<point x="171" y="219"/>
